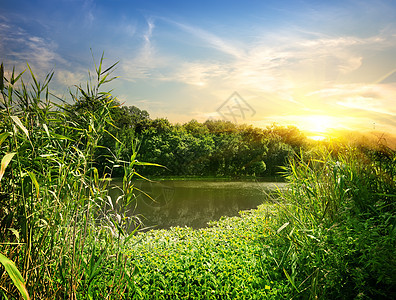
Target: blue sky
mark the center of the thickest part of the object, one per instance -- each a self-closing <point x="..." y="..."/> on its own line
<point x="314" y="64"/>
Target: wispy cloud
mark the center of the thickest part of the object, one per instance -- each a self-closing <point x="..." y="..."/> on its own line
<point x="369" y="103"/>
<point x="316" y="73"/>
<point x="19" y="47"/>
<point x="209" y="39"/>
<point x="145" y="63"/>
<point x="68" y="78"/>
<point x="279" y="63"/>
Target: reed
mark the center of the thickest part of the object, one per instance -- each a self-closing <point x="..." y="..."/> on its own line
<point x="335" y="225"/>
<point x="57" y="222"/>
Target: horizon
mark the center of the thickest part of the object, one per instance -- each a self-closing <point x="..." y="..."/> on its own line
<point x="322" y="67"/>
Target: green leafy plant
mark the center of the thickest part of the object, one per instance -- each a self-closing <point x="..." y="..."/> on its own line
<point x="340" y="212"/>
<point x="15" y="275"/>
<point x="55" y="211"/>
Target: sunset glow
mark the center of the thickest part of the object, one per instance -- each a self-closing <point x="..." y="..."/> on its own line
<point x="316" y="65"/>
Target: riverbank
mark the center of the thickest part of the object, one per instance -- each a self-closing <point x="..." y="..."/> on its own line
<point x="326" y="237"/>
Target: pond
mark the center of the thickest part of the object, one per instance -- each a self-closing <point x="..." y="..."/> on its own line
<point x="194" y="203"/>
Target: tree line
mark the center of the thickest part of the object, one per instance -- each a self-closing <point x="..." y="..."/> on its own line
<point x="213" y="148"/>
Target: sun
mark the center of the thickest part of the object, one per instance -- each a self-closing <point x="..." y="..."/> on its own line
<point x="317" y="126"/>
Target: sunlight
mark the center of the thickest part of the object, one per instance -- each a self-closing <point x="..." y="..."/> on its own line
<point x="318" y="127"/>
<point x="318" y="123"/>
<point x="317" y="138"/>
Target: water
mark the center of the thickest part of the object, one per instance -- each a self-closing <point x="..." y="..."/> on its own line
<point x="193" y="203"/>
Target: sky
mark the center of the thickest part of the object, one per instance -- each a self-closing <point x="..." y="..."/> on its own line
<point x="318" y="65"/>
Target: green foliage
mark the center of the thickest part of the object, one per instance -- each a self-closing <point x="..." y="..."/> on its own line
<point x="15" y="275"/>
<point x="329" y="235"/>
<point x="219" y="262"/>
<point x="55" y="210"/>
<point x="339" y="242"/>
<point x="215" y="148"/>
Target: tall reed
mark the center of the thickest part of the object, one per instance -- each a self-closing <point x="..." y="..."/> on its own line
<point x="335" y="225"/>
<point x="58" y="223"/>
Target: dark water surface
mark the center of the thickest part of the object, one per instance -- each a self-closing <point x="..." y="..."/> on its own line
<point x="193" y="203"/>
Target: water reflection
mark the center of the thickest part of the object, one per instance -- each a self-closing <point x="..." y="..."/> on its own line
<point x="194" y="203"/>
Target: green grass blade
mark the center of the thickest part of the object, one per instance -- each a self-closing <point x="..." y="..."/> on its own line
<point x="15" y="276"/>
<point x="290" y="280"/>
<point x="36" y="184"/>
<point x="20" y="125"/>
<point x="109" y="68"/>
<point x="3" y="137"/>
<point x="13" y="80"/>
<point x="4" y="163"/>
<point x="34" y="78"/>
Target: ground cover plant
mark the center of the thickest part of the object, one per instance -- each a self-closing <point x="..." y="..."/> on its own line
<point x="223" y="261"/>
<point x="329" y="235"/>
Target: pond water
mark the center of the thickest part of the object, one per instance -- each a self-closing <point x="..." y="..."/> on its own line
<point x="194" y="203"/>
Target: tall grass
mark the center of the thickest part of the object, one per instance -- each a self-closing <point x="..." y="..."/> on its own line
<point x="58" y="223"/>
<point x="336" y="225"/>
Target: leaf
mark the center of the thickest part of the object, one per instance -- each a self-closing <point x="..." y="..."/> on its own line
<point x="132" y="234"/>
<point x="109" y="68"/>
<point x="19" y="123"/>
<point x="34" y="180"/>
<point x="46" y="130"/>
<point x="282" y="227"/>
<point x="3" y="137"/>
<point x="13" y="80"/>
<point x="290" y="279"/>
<point x="34" y="78"/>
<point x="94" y="265"/>
<point x="109" y="200"/>
<point x="120" y="230"/>
<point x="15" y="276"/>
<point x="15" y="232"/>
<point x="112" y="136"/>
<point x="4" y="163"/>
<point x="61" y="137"/>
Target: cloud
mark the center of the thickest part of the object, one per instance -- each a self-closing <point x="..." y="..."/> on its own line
<point x="19" y="47"/>
<point x="199" y="74"/>
<point x="146" y="60"/>
<point x="279" y="63"/>
<point x="309" y="73"/>
<point x="86" y="8"/>
<point x="377" y="98"/>
<point x="364" y="104"/>
<point x="210" y="39"/>
<point x="68" y="78"/>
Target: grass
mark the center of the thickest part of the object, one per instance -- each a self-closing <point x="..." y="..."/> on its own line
<point x="329" y="235"/>
<point x="54" y="202"/>
<point x="338" y="215"/>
